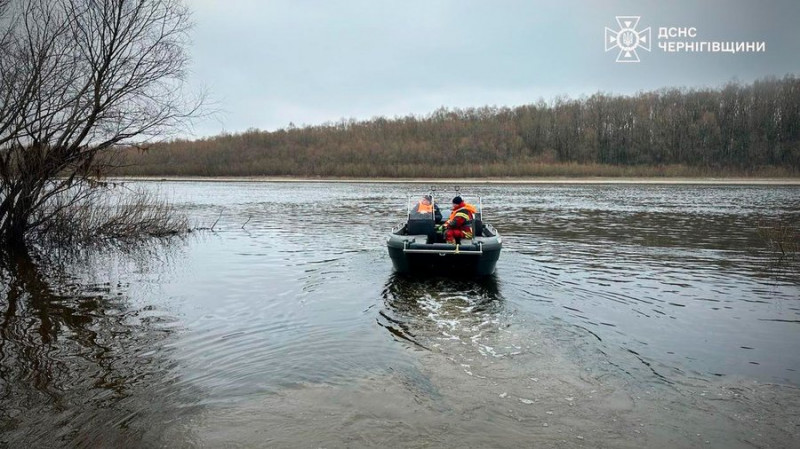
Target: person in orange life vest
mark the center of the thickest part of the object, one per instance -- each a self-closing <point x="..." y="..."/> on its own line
<point x="426" y="206"/>
<point x="459" y="225"/>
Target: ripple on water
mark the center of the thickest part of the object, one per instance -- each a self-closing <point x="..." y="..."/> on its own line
<point x="293" y="293"/>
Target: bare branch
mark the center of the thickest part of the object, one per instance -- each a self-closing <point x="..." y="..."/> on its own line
<point x="77" y="78"/>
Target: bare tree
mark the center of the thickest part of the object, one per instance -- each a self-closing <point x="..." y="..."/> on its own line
<point x="79" y="78"/>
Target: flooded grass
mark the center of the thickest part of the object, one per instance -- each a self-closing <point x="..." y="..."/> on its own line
<point x="110" y="216"/>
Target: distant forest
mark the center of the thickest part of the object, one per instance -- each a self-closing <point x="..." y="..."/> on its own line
<point x="735" y="130"/>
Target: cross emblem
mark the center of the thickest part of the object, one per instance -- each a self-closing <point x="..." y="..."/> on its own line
<point x="627" y="39"/>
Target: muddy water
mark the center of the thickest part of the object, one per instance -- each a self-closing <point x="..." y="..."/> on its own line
<point x="619" y="316"/>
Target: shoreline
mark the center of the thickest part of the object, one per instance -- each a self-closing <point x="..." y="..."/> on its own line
<point x="544" y="180"/>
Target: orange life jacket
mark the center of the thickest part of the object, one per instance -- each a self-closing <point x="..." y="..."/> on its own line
<point x="465" y="213"/>
<point x="425" y="208"/>
<point x="469" y="207"/>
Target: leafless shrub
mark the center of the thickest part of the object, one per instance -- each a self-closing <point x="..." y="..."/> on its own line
<point x="112" y="214"/>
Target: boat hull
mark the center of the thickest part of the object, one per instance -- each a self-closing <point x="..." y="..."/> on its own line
<point x="411" y="254"/>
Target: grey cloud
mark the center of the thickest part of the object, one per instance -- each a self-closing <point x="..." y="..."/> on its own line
<point x="269" y="63"/>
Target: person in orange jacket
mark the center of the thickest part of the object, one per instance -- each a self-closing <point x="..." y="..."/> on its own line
<point x="427" y="206"/>
<point x="459" y="225"/>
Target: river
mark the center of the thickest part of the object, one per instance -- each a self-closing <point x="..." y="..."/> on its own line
<point x="619" y="316"/>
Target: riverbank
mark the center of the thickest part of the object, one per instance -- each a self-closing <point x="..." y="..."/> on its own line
<point x="546" y="180"/>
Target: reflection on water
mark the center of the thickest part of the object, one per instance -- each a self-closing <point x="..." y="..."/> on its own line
<point x="76" y="356"/>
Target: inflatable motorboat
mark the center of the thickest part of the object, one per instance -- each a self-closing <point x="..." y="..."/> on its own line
<point x="416" y="246"/>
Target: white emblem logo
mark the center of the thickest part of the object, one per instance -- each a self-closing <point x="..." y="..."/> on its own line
<point x="627" y="39"/>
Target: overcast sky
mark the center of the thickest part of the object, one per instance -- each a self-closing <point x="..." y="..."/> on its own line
<point x="267" y="63"/>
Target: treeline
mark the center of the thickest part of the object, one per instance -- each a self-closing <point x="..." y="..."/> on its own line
<point x="738" y="129"/>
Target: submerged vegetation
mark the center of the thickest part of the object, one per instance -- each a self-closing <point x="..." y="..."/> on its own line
<point x="115" y="215"/>
<point x="737" y="130"/>
<point x="782" y="238"/>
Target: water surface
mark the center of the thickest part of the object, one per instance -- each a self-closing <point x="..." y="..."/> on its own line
<point x="614" y="311"/>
